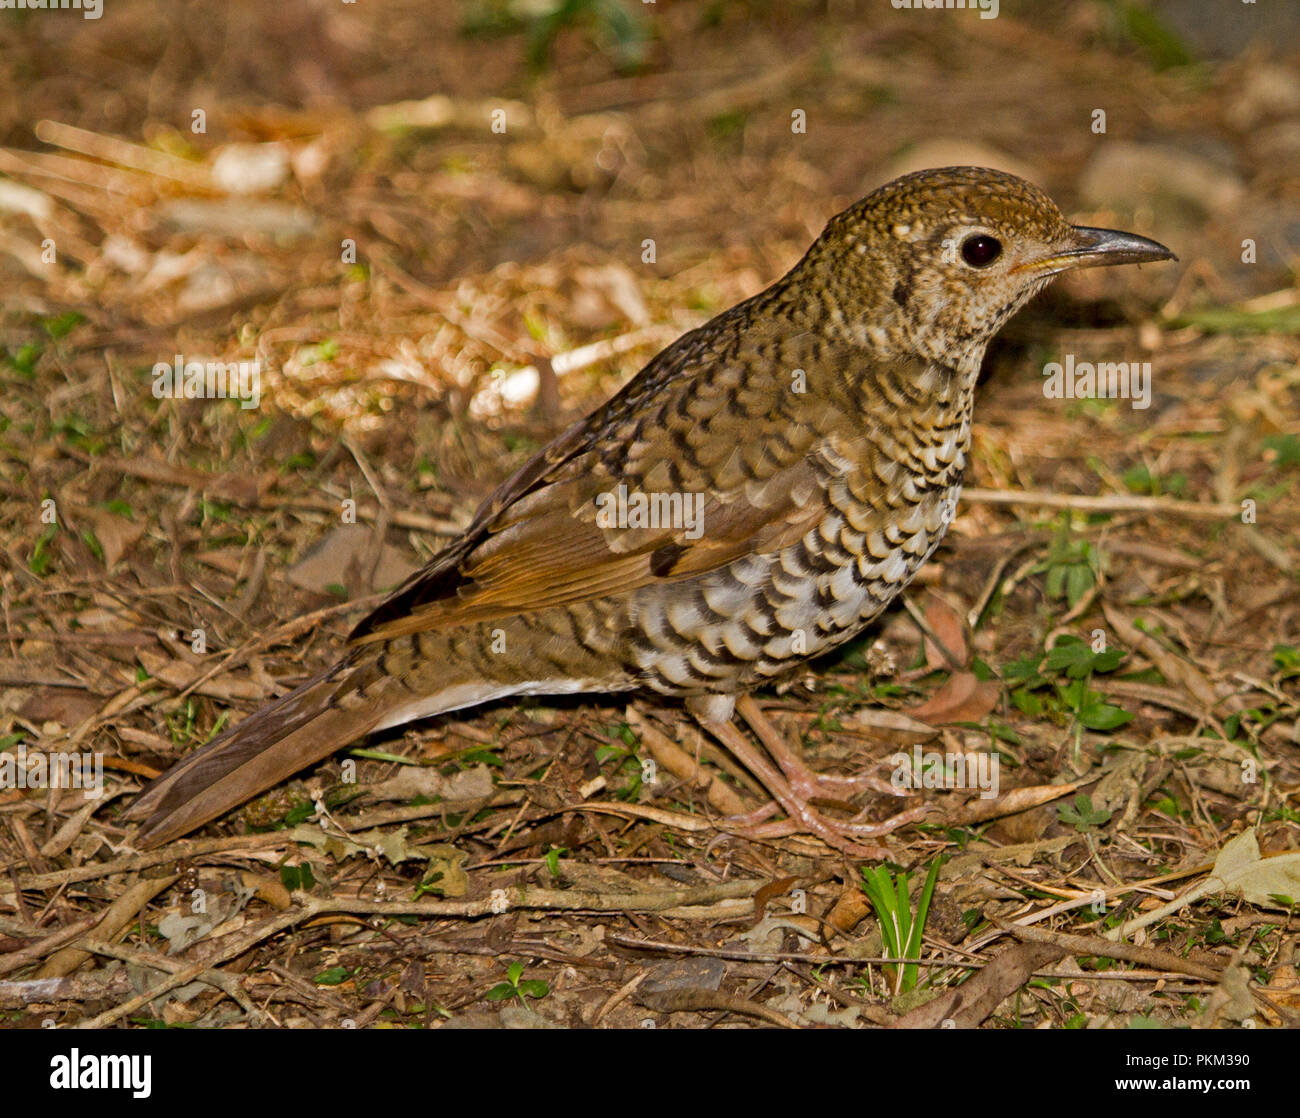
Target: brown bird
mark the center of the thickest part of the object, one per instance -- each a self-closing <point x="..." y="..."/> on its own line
<point x="755" y="496"/>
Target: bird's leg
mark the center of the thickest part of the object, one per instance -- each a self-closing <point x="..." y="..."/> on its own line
<point x="714" y="715"/>
<point x="806" y="783"/>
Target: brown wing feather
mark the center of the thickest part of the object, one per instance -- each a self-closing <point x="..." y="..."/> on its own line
<point x="536" y="543"/>
<point x="560" y="556"/>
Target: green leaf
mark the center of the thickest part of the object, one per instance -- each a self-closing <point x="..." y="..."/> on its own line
<point x="1286" y="657"/>
<point x="1149" y="31"/>
<point x="1022" y="670"/>
<point x="1285" y="450"/>
<point x="1077" y="659"/>
<point x="1027" y="703"/>
<point x="1082" y="816"/>
<point x="552" y="859"/>
<point x="1229" y="320"/>
<point x="1078" y="582"/>
<point x="1103" y="716"/>
<point x="60" y="325"/>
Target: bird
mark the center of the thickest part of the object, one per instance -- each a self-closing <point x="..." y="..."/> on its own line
<point x="753" y="498"/>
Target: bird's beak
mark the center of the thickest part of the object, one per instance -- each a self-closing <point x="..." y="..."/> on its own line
<point x="1097" y="248"/>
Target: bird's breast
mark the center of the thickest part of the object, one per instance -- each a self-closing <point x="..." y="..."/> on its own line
<point x="760" y="616"/>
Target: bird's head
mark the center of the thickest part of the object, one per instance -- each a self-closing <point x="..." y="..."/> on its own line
<point x="935" y="262"/>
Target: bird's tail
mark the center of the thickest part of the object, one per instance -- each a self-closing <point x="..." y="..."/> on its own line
<point x="303" y="727"/>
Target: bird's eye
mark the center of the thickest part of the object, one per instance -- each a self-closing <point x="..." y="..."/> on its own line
<point x="980" y="250"/>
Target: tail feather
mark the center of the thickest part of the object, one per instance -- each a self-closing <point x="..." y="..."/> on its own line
<point x="303" y="727"/>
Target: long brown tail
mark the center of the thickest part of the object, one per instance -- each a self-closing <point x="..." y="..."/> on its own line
<point x="304" y="726"/>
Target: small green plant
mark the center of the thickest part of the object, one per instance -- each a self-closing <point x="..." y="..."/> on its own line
<point x="1072" y="566"/>
<point x="552" y="859"/>
<point x="512" y="987"/>
<point x="61" y="325"/>
<point x="1081" y="815"/>
<point x="900" y="928"/>
<point x="1140" y="479"/>
<point x="1067" y="669"/>
<point x="616" y="27"/>
<point x="627" y="763"/>
<point x="42" y="556"/>
<point x="1146" y="30"/>
<point x="1281" y="451"/>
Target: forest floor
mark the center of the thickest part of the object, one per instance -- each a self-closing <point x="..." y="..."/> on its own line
<point x="429" y="301"/>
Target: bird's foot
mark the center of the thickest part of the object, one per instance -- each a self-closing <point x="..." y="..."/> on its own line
<point x="802" y="780"/>
<point x="801" y="816"/>
<point x="837" y="834"/>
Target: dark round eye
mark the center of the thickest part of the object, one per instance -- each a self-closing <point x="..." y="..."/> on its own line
<point x="980" y="250"/>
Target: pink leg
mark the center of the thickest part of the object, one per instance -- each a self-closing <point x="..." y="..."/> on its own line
<point x="802" y="779"/>
<point x="803" y="818"/>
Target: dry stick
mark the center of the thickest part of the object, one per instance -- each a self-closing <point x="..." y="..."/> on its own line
<point x="619" y="995"/>
<point x="680" y="764"/>
<point x="676" y="1001"/>
<point x="1104" y="948"/>
<point x="117" y="916"/>
<point x="227" y="983"/>
<point x="287" y="631"/>
<point x="94" y="986"/>
<point x="399" y="517"/>
<point x="955" y="662"/>
<point x="994" y="581"/>
<point x="136" y="157"/>
<point x="16" y="960"/>
<point x="177" y="978"/>
<point x="195" y="848"/>
<point x="1106" y="503"/>
<point x="741" y="956"/>
<point x="669" y="901"/>
<point x="162" y="473"/>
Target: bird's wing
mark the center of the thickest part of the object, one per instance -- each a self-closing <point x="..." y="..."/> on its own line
<point x="719" y="431"/>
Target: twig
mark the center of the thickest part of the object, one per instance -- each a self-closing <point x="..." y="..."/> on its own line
<point x="226" y="983"/>
<point x="679" y="902"/>
<point x="1168" y="506"/>
<point x="25" y="956"/>
<point x="1107" y="949"/>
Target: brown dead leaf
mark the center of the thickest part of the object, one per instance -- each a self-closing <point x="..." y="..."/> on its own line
<point x="328" y="561"/>
<point x="63" y="705"/>
<point x="1012" y="803"/>
<point x="949" y="626"/>
<point x="115" y="533"/>
<point x="974" y="1001"/>
<point x="244" y="489"/>
<point x="469" y="786"/>
<point x="890" y="725"/>
<point x="178" y="674"/>
<point x="851" y="908"/>
<point x="963" y="698"/>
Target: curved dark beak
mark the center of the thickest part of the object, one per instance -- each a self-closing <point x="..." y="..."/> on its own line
<point x="1110" y="246"/>
<point x="1098" y="248"/>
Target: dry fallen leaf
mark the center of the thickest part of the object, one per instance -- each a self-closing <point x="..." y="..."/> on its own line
<point x="963" y="698"/>
<point x="949" y="626"/>
<point x="326" y="563"/>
